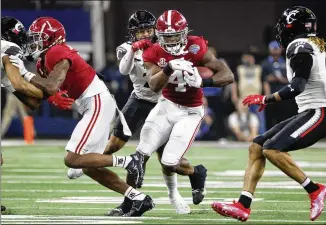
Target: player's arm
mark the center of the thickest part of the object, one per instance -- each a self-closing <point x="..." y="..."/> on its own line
<point x="158" y="78"/>
<point x="18" y="83"/>
<point x="223" y="75"/>
<point x="126" y="60"/>
<point x="301" y="65"/>
<point x="52" y="83"/>
<point x="30" y="102"/>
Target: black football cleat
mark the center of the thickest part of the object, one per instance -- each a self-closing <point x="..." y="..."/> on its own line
<point x="121" y="209"/>
<point x="136" y="169"/>
<point x="140" y="207"/>
<point x="197" y="181"/>
<point x="3" y="208"/>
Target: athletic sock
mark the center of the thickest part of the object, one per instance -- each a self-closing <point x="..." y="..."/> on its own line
<point x="134" y="194"/>
<point x="121" y="161"/>
<point x="309" y="186"/>
<point x="246" y="199"/>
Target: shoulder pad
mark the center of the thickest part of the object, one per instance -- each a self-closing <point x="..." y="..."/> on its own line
<point x="299" y="47"/>
<point x="9" y="48"/>
<point x="122" y="50"/>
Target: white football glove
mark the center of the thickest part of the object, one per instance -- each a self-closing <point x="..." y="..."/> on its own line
<point x="193" y="80"/>
<point x="181" y="64"/>
<point x="17" y="62"/>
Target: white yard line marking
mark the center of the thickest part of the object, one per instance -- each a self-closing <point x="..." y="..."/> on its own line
<point x="209" y="183"/>
<point x="161" y="209"/>
<point x="8" y="219"/>
<point x="267" y="173"/>
<point x="295" y="192"/>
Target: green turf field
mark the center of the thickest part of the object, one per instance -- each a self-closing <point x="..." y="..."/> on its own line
<point x="35" y="189"/>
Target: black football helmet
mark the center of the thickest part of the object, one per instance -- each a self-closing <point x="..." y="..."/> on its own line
<point x="14" y="31"/>
<point x="295" y="21"/>
<point x="138" y="20"/>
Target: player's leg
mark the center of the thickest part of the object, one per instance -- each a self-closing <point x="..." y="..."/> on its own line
<point x="171" y="182"/>
<point x="135" y="112"/>
<point x="254" y="171"/>
<point x="181" y="139"/>
<point x="308" y="128"/>
<point x="87" y="134"/>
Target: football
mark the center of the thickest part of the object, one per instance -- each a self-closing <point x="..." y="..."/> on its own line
<point x="205" y="72"/>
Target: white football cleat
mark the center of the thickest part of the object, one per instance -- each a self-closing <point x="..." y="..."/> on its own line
<point x="74" y="173"/>
<point x="180" y="205"/>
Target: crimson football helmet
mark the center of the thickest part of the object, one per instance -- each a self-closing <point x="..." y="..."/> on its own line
<point x="44" y="33"/>
<point x="172" y="32"/>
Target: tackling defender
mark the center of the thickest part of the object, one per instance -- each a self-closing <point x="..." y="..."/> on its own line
<point x="306" y="72"/>
<point x="13" y="43"/>
<point x="62" y="67"/>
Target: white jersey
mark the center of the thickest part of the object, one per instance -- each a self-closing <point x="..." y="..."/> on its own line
<point x="314" y="95"/>
<point x="8" y="48"/>
<point x="138" y="75"/>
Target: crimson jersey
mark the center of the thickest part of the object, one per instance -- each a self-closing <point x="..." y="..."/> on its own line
<point x="177" y="90"/>
<point x="80" y="74"/>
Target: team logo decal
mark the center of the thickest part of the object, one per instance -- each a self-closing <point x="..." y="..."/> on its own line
<point x="18" y="27"/>
<point x="289" y="18"/>
<point x="194" y="49"/>
<point x="162" y="62"/>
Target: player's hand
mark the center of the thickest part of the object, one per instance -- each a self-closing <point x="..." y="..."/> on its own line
<point x="193" y="80"/>
<point x="60" y="100"/>
<point x="17" y="62"/>
<point x="181" y="64"/>
<point x="141" y="45"/>
<point x="255" y="100"/>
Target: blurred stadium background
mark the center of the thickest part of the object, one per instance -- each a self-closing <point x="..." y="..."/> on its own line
<point x="241" y="32"/>
<point x="96" y="28"/>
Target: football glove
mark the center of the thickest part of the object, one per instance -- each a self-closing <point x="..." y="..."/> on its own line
<point x="60" y="100"/>
<point x="181" y="64"/>
<point x="255" y="100"/>
<point x="193" y="80"/>
<point x="17" y="62"/>
<point x="141" y="45"/>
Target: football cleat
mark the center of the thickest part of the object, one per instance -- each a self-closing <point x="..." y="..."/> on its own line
<point x="235" y="210"/>
<point x="3" y="208"/>
<point x="122" y="209"/>
<point x="74" y="173"/>
<point x="180" y="205"/>
<point x="140" y="207"/>
<point x="136" y="170"/>
<point x="197" y="181"/>
<point x="317" y="204"/>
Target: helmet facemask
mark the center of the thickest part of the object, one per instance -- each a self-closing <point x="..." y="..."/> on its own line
<point x="35" y="44"/>
<point x="173" y="42"/>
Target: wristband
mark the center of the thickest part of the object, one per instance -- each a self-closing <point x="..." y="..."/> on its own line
<point x="28" y="76"/>
<point x="167" y="70"/>
<point x="209" y="82"/>
<point x="269" y="99"/>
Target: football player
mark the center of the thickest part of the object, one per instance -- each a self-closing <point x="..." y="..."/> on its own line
<point x="177" y="115"/>
<point x="306" y="72"/>
<point x="62" y="67"/>
<point x="141" y="29"/>
<point x="13" y="45"/>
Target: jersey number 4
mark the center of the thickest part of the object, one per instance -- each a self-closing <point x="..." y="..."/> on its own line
<point x="178" y="80"/>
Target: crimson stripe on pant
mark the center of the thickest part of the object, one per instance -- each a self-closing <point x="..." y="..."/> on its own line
<point x="90" y="125"/>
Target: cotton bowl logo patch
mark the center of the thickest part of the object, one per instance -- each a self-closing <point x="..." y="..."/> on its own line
<point x="194" y="49"/>
<point x="162" y="62"/>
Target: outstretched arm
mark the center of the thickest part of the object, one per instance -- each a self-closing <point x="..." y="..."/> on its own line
<point x="301" y="65"/>
<point x="223" y="75"/>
